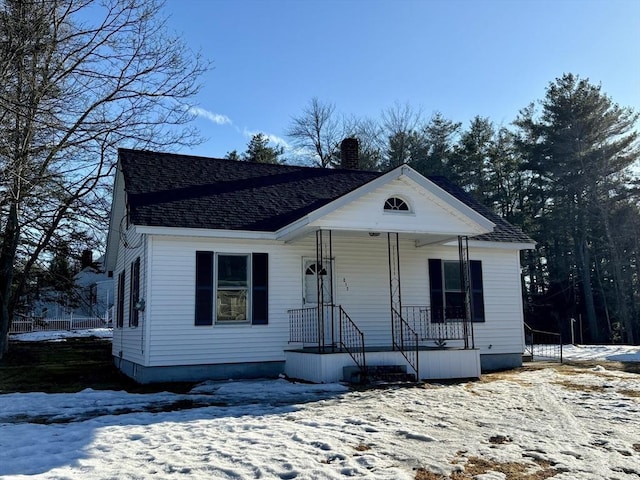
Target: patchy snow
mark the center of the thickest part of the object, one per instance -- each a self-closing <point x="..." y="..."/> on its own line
<point x="581" y="422"/>
<point x="613" y="353"/>
<point x="61" y="335"/>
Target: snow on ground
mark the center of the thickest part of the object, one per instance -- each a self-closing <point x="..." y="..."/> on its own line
<point x="613" y="353"/>
<point x="58" y="335"/>
<point x="583" y="422"/>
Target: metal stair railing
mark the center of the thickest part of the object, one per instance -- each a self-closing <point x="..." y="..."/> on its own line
<point x="352" y="340"/>
<point x="405" y="340"/>
<point x="542" y="345"/>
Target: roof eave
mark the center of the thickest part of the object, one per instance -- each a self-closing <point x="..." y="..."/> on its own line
<point x="206" y="232"/>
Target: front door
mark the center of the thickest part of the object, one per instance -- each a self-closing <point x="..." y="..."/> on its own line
<point x="318" y="281"/>
<point x="312" y="274"/>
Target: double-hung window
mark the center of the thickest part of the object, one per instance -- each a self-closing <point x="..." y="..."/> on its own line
<point x="447" y="293"/>
<point x="231" y="288"/>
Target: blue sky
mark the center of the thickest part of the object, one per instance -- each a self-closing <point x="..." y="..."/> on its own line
<point x="460" y="57"/>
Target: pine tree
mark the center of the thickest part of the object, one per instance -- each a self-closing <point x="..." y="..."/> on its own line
<point x="259" y="150"/>
<point x="578" y="149"/>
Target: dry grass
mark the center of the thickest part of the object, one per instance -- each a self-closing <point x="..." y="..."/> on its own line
<point x="362" y="447"/>
<point x="478" y="466"/>
<point x="422" y="474"/>
<point x="580" y="387"/>
<point x="629" y="393"/>
<point x="512" y="470"/>
<point x="631" y="367"/>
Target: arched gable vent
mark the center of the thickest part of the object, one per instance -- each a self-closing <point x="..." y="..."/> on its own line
<point x="396" y="204"/>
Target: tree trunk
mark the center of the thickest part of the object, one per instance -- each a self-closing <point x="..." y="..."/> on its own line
<point x="11" y="236"/>
<point x="618" y="282"/>
<point x="583" y="260"/>
<point x="605" y="304"/>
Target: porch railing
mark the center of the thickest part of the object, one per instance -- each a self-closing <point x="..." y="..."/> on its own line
<point x="437" y="325"/>
<point x="352" y="340"/>
<point x="541" y="345"/>
<point x="405" y="340"/>
<point x="303" y="326"/>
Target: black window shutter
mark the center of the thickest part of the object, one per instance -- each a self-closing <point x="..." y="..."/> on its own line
<point x="204" y="288"/>
<point x="477" y="297"/>
<point x="435" y="285"/>
<point x="131" y="295"/>
<point x="120" y="309"/>
<point x="260" y="289"/>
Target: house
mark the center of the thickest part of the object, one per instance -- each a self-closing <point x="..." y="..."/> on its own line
<point x="94" y="288"/>
<point x="229" y="269"/>
<point x="90" y="295"/>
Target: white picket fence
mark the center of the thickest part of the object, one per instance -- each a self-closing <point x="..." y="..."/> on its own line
<point x="35" y="324"/>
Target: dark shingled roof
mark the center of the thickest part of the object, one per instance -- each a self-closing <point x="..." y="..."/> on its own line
<point x="170" y="190"/>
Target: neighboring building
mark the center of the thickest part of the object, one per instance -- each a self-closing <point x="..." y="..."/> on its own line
<point x="229" y="269"/>
<point x="91" y="295"/>
<point x="94" y="288"/>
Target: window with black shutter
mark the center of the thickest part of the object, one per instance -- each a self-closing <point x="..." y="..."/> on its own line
<point x="231" y="288"/>
<point x="447" y="294"/>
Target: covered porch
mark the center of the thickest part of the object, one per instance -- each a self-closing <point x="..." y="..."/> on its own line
<point x="345" y="332"/>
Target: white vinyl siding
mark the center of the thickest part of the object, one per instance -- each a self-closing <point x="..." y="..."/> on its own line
<point x="130" y="339"/>
<point x="361" y="287"/>
<point x="174" y="337"/>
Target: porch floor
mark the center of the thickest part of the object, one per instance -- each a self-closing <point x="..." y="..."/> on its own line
<point x="329" y="350"/>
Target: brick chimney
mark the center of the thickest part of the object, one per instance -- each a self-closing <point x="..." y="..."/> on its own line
<point x="349" y="155"/>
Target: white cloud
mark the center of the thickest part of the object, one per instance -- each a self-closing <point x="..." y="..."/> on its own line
<point x="216" y="118"/>
<point x="279" y="141"/>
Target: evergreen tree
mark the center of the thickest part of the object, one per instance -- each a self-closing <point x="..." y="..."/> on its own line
<point x="259" y="150"/>
<point x="579" y="148"/>
<point x="432" y="152"/>
<point x="472" y="158"/>
<point x="233" y="155"/>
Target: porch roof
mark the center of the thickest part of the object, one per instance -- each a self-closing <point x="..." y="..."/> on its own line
<point x="184" y="191"/>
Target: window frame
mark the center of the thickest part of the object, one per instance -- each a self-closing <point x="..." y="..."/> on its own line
<point x="452" y="293"/>
<point x="246" y="288"/>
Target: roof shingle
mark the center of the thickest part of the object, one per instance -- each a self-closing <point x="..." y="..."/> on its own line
<point x="171" y="190"/>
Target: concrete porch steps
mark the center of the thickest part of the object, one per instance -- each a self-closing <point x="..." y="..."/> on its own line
<point x="378" y="374"/>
